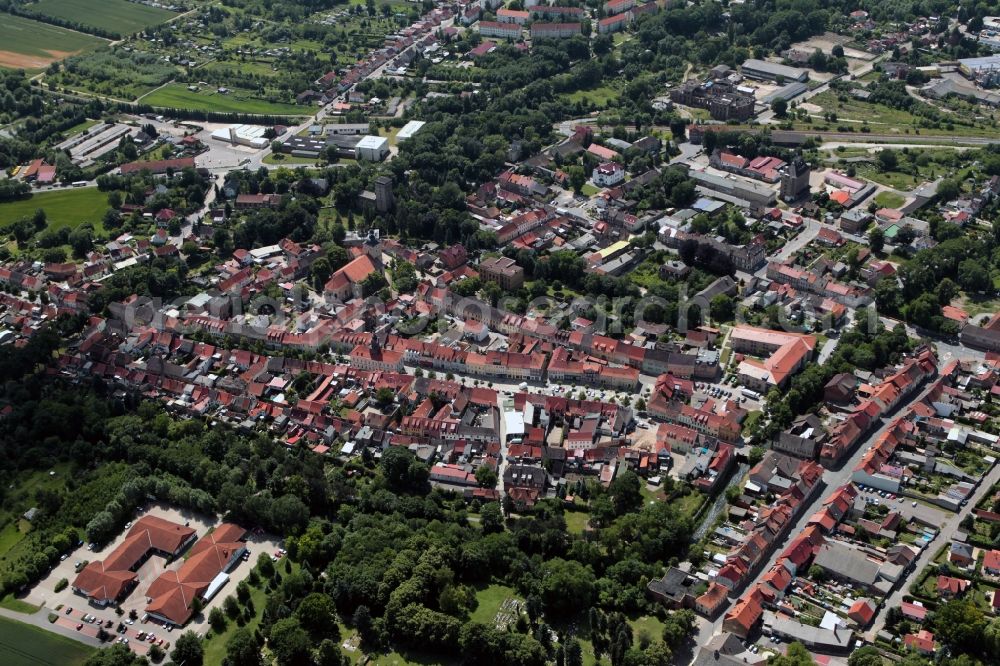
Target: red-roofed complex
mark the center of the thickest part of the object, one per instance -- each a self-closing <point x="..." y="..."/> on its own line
<point x="112" y="579"/>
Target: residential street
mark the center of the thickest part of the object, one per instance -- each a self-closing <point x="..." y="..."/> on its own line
<point x="944" y="536"/>
<point x="833" y="479"/>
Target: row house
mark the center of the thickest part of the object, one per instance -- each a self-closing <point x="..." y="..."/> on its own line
<point x="555" y="30"/>
<point x="613" y="23"/>
<point x="500" y="30"/>
<point x="507" y="365"/>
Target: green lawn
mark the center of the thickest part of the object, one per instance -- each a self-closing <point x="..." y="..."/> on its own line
<point x="600" y="96"/>
<point x="65" y="208"/>
<point x="215" y="644"/>
<point x="18" y="606"/>
<point x="883" y="119"/>
<point x="177" y="96"/>
<point x="32" y="45"/>
<point x="576" y="521"/>
<point x="889" y="200"/>
<point x="489" y="599"/>
<point x="589" y="190"/>
<point x="651" y="626"/>
<point x="291" y="160"/>
<point x="118" y="16"/>
<point x="894" y="179"/>
<point x="25" y="645"/>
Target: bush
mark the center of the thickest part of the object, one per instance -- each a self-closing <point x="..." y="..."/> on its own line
<point x="53" y="617"/>
<point x="62" y="585"/>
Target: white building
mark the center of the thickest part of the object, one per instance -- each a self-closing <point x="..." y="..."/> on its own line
<point x="410" y="129"/>
<point x="372" y="149"/>
<point x="608" y="174"/>
<point x="243" y="135"/>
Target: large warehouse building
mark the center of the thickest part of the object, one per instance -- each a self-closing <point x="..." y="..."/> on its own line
<point x="771" y="71"/>
<point x="372" y="149"/>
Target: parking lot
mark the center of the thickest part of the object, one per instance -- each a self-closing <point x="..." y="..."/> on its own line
<point x="44" y="594"/>
<point x="909" y="509"/>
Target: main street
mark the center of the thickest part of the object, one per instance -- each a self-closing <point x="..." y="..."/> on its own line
<point x="833" y="479"/>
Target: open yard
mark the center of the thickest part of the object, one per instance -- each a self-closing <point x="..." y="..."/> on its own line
<point x="24" y="645"/>
<point x="600" y="96"/>
<point x="889" y="200"/>
<point x="32" y="45"/>
<point x="65" y="208"/>
<point x="177" y="96"/>
<point x="117" y="16"/>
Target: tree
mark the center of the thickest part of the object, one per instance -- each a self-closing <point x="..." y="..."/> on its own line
<point x="866" y="656"/>
<point x="948" y="189"/>
<point x="289" y="642"/>
<point x="242" y="649"/>
<point x="722" y="308"/>
<point x="402" y="471"/>
<point x="265" y="565"/>
<point x="574" y="653"/>
<point x="887" y="159"/>
<point x="876" y="239"/>
<point x="959" y="624"/>
<point x="217" y="619"/>
<point x="317" y="615"/>
<point x="567" y="586"/>
<point x="780" y="107"/>
<point x="973" y="276"/>
<point x="188" y="649"/>
<point x="486" y="477"/>
<point x="491" y="518"/>
<point x="796" y="655"/>
<point x="577" y="177"/>
<point x="625" y="492"/>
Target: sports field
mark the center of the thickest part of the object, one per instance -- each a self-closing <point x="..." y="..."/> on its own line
<point x="177" y="96"/>
<point x="27" y="44"/>
<point x="118" y="16"/>
<point x="65" y="208"/>
<point x="25" y="645"/>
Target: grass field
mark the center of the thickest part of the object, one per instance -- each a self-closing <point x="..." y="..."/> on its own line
<point x="883" y="119"/>
<point x="889" y="200"/>
<point x="489" y="599"/>
<point x="32" y="45"/>
<point x="177" y="96"/>
<point x="24" y="645"/>
<point x="118" y="16"/>
<point x="65" y="208"/>
<point x="600" y="96"/>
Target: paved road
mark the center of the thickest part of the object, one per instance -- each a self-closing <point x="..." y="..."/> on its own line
<point x="40" y="619"/>
<point x="944" y="536"/>
<point x="833" y="478"/>
<point x="828" y="347"/>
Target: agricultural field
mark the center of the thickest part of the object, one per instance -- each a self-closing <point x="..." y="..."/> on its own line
<point x="24" y="645"/>
<point x="65" y="208"/>
<point x="177" y="96"/>
<point x="116" y="16"/>
<point x="21" y="43"/>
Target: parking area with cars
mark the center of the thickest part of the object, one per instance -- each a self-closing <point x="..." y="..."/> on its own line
<point x="133" y="627"/>
<point x="908" y="508"/>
